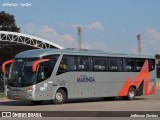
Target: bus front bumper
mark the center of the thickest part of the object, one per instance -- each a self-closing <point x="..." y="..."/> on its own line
<point x="18" y="94"/>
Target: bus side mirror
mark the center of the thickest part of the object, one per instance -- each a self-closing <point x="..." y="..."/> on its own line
<point x="5" y="63"/>
<point x="35" y="64"/>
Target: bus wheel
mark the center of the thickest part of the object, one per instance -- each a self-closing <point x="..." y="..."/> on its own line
<point x="60" y="97"/>
<point x="131" y="94"/>
<point x="36" y="102"/>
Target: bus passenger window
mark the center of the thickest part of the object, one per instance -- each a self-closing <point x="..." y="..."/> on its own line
<point x="83" y="63"/>
<point x="68" y="63"/>
<point x="1" y="74"/>
<point x="99" y="64"/>
<point x="45" y="69"/>
<point x="139" y="64"/>
<point x="62" y="67"/>
<point x="43" y="73"/>
<point x="151" y="64"/>
<point x="129" y="65"/>
<point x="71" y="63"/>
<point x="81" y="67"/>
<point x="113" y="65"/>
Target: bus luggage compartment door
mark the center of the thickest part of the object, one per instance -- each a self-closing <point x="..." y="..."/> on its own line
<point x="43" y="91"/>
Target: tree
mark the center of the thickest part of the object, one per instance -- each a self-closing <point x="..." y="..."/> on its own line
<point x="7" y="22"/>
<point x="157" y="56"/>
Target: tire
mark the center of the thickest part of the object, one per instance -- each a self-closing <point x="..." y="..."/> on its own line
<point x="60" y="97"/>
<point x="131" y="94"/>
<point x="36" y="102"/>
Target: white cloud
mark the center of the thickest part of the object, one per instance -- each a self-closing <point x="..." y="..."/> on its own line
<point x="150" y="42"/>
<point x="96" y="45"/>
<point x="72" y="26"/>
<point x="65" y="40"/>
<point x="133" y="49"/>
<point x="48" y="33"/>
<point x="153" y="34"/>
<point x="123" y="32"/>
<point x="95" y="26"/>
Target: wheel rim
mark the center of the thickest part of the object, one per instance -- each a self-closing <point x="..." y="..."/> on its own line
<point x="131" y="94"/>
<point x="59" y="97"/>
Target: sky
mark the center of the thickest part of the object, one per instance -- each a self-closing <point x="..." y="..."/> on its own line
<point x="108" y="25"/>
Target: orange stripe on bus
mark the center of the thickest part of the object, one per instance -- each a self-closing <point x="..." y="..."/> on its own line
<point x="125" y="88"/>
<point x="142" y="75"/>
<point x="153" y="89"/>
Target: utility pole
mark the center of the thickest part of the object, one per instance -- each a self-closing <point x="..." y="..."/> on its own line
<point x="139" y="43"/>
<point x="79" y="33"/>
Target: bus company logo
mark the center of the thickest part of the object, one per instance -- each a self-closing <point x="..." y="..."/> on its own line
<point x="85" y="78"/>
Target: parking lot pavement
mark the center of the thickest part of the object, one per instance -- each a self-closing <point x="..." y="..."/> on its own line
<point x="141" y="103"/>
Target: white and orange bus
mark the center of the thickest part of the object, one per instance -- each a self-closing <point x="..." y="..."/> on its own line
<point x="58" y="75"/>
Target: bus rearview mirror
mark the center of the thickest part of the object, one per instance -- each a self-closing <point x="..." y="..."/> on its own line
<point x="35" y="64"/>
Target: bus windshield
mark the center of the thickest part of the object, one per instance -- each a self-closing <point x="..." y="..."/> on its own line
<point x="21" y="74"/>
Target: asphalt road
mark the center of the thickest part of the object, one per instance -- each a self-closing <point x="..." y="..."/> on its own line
<point x="141" y="103"/>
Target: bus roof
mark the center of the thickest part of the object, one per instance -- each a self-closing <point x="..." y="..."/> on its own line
<point x="72" y="51"/>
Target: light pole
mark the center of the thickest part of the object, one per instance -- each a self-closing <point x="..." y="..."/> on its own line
<point x="79" y="33"/>
<point x="139" y="43"/>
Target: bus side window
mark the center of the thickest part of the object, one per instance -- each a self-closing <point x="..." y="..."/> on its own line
<point x="43" y="72"/>
<point x="63" y="66"/>
<point x="1" y="74"/>
<point x="68" y="63"/>
<point x="99" y="64"/>
<point x="151" y="64"/>
<point x="83" y="63"/>
<point x="129" y="65"/>
<point x="113" y="64"/>
<point x="139" y="64"/>
<point x="71" y="63"/>
<point x="49" y="65"/>
<point x="120" y="64"/>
